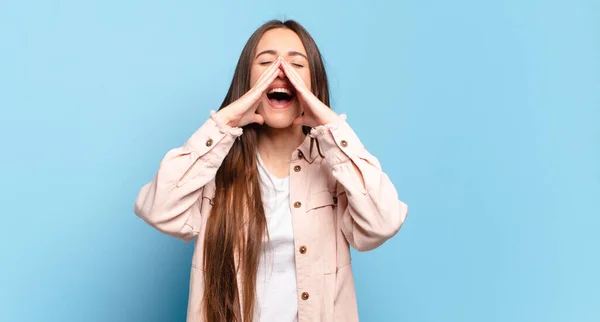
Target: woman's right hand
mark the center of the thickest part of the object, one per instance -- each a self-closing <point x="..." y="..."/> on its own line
<point x="243" y="111"/>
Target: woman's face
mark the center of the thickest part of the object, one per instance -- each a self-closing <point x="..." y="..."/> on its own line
<point x="280" y="106"/>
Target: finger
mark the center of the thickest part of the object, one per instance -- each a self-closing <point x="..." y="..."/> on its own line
<point x="296" y="75"/>
<point x="305" y="94"/>
<point x="274" y="68"/>
<point x="299" y="120"/>
<point x="302" y="120"/>
<point x="261" y="89"/>
<point x="294" y="78"/>
<point x="288" y="72"/>
<point x="268" y="72"/>
<point x="257" y="118"/>
<point x="269" y="78"/>
<point x="258" y="90"/>
<point x="274" y="65"/>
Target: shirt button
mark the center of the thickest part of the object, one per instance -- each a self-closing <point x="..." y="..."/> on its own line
<point x="297" y="168"/>
<point x="305" y="296"/>
<point x="209" y="142"/>
<point x="344" y="143"/>
<point x="300" y="154"/>
<point x="297" y="204"/>
<point x="303" y="249"/>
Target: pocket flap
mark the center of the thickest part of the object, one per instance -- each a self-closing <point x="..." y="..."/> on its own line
<point x="320" y="199"/>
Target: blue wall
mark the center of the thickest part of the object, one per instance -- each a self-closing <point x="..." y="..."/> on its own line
<point x="485" y="114"/>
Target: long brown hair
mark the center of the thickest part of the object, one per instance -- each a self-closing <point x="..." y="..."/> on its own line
<point x="237" y="223"/>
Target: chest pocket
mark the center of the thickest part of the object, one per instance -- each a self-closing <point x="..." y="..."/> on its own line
<point x="321" y="207"/>
<point x="321" y="199"/>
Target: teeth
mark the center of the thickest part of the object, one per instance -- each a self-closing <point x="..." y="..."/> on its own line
<point x="280" y="90"/>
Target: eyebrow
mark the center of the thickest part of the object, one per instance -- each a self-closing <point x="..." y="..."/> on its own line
<point x="273" y="52"/>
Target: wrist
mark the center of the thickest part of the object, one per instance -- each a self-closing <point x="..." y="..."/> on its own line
<point x="222" y="117"/>
<point x="332" y="124"/>
<point x="331" y="118"/>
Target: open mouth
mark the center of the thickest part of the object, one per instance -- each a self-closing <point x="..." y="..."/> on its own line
<point x="280" y="97"/>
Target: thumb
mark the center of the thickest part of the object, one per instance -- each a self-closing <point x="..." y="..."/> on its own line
<point x="300" y="120"/>
<point x="257" y="118"/>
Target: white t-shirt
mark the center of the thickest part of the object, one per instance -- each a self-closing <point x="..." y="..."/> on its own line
<point x="276" y="280"/>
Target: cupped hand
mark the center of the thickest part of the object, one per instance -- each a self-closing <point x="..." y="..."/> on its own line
<point x="243" y="111"/>
<point x="315" y="112"/>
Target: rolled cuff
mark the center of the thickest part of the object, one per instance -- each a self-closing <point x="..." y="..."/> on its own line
<point x="338" y="142"/>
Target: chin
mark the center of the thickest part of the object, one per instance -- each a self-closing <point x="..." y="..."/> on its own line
<point x="278" y="118"/>
<point x="279" y="121"/>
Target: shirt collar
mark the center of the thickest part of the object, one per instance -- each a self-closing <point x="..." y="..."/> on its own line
<point x="309" y="149"/>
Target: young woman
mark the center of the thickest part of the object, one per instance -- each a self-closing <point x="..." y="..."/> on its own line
<point x="274" y="187"/>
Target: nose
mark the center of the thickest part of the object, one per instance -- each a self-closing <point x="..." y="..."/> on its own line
<point x="281" y="74"/>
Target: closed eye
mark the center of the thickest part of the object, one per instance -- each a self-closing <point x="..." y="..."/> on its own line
<point x="264" y="63"/>
<point x="297" y="65"/>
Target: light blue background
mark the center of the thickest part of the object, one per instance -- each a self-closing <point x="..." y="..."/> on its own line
<point x="485" y="114"/>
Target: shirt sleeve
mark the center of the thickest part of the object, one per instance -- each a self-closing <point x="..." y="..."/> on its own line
<point x="371" y="210"/>
<point x="170" y="202"/>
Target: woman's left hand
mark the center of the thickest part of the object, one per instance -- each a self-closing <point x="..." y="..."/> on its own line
<point x="315" y="112"/>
